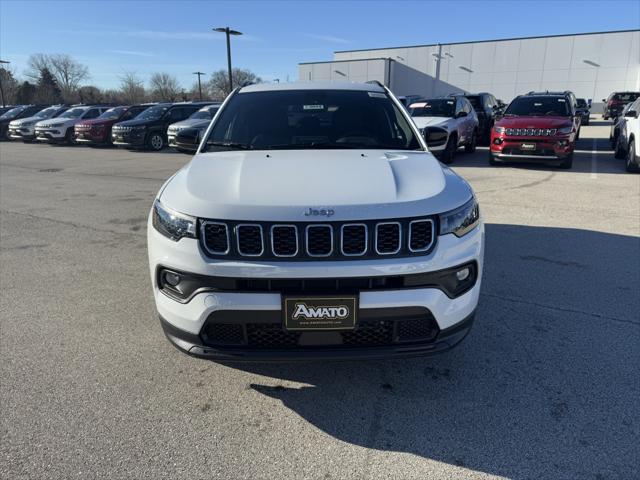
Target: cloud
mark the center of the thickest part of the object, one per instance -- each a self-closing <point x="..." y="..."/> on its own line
<point x="133" y="52"/>
<point x="327" y="38"/>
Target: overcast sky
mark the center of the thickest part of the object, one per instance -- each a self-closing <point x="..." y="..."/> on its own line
<point x="149" y="36"/>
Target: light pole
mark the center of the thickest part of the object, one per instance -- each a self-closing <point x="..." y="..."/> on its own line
<point x="199" y="84"/>
<point x="2" y="62"/>
<point x="228" y="32"/>
<point x="595" y="80"/>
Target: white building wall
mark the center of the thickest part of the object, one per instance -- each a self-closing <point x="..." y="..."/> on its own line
<point x="505" y="68"/>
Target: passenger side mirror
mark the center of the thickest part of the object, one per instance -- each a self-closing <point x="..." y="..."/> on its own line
<point x="604" y="100"/>
<point x="631" y="113"/>
<point x="461" y="114"/>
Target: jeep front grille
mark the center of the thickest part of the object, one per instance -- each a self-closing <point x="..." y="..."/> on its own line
<point x="531" y="132"/>
<point x="318" y="241"/>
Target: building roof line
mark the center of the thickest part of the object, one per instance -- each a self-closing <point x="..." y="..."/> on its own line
<point x="485" y="41"/>
<point x="341" y="61"/>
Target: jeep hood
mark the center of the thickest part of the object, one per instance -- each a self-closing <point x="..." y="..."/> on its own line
<point x="422" y="122"/>
<point x="281" y="185"/>
<point x="191" y="122"/>
<point x="534" y="122"/>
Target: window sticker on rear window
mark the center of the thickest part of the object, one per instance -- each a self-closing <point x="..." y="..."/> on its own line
<point x="450" y="102"/>
<point x="377" y="95"/>
<point x="536" y="104"/>
<point x="561" y="100"/>
<point x="313" y="107"/>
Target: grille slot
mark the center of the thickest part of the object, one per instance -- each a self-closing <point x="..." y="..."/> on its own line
<point x="223" y="334"/>
<point x="420" y="235"/>
<point x="270" y="335"/>
<point x="249" y="238"/>
<point x="216" y="237"/>
<point x="319" y="240"/>
<point x="370" y="333"/>
<point x="284" y="240"/>
<point x="388" y="238"/>
<point x="354" y="239"/>
<point x="419" y="328"/>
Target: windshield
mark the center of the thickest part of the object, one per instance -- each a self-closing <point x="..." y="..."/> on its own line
<point x="13" y="112"/>
<point x="433" y="108"/>
<point x="202" y="115"/>
<point x="152" y="113"/>
<point x="113" y="113"/>
<point x="581" y="103"/>
<point x="626" y="97"/>
<point x="298" y="119"/>
<point x="539" y="106"/>
<point x="73" y="113"/>
<point x="476" y="101"/>
<point x="47" y="112"/>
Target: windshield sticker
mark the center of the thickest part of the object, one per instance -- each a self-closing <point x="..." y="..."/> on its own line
<point x="313" y="107"/>
<point x="377" y="95"/>
<point x="562" y="100"/>
<point x="535" y="104"/>
<point x="450" y="102"/>
<point x="418" y="105"/>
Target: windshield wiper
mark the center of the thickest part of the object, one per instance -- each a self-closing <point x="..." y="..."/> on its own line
<point x="230" y="145"/>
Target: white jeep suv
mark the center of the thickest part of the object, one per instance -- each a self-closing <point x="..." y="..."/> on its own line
<point x="446" y="123"/>
<point x="628" y="140"/>
<point x="60" y="129"/>
<point x="25" y="128"/>
<point x="313" y="223"/>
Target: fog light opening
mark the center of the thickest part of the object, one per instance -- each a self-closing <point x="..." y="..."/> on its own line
<point x="463" y="274"/>
<point x="172" y="279"/>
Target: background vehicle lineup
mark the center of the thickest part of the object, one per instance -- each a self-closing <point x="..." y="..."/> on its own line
<point x="61" y="129"/>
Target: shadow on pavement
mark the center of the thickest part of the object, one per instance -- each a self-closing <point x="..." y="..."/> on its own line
<point x="545" y="386"/>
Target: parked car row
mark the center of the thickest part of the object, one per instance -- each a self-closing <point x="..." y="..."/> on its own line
<point x="146" y="126"/>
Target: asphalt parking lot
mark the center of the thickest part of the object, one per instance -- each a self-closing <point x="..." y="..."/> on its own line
<point x="545" y="386"/>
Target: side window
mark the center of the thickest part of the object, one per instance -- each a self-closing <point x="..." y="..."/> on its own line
<point x="466" y="106"/>
<point x="177" y="114"/>
<point x="459" y="106"/>
<point x="91" y="113"/>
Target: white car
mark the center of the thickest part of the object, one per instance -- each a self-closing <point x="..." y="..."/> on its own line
<point x="628" y="141"/>
<point x="313" y="223"/>
<point x="24" y="128"/>
<point x="446" y="123"/>
<point x="60" y="129"/>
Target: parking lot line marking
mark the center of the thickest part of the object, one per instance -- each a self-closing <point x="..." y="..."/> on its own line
<point x="594" y="159"/>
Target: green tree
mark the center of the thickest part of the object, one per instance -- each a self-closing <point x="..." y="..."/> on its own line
<point x="25" y="93"/>
<point x="47" y="90"/>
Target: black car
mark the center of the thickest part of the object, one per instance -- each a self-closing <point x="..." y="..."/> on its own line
<point x="187" y="140"/>
<point x="19" y="111"/>
<point x="488" y="109"/>
<point x="149" y="129"/>
<point x="583" y="109"/>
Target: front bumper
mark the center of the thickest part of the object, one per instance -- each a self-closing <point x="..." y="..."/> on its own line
<point x="50" y="134"/>
<point x="131" y="138"/>
<point x="546" y="149"/>
<point x="22" y="133"/>
<point x="185" y="323"/>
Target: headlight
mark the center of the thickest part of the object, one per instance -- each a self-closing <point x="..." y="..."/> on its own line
<point x="499" y="129"/>
<point x="461" y="220"/>
<point x="172" y="224"/>
<point x="565" y="130"/>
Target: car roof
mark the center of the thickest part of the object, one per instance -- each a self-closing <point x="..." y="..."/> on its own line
<point x="326" y="85"/>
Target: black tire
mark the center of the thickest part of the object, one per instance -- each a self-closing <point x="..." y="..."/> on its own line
<point x="155" y="141"/>
<point x="68" y="138"/>
<point x="450" y="150"/>
<point x="471" y="146"/>
<point x="492" y="160"/>
<point x="633" y="165"/>
<point x="586" y="122"/>
<point x="618" y="151"/>
<point x="567" y="163"/>
<point x="578" y="135"/>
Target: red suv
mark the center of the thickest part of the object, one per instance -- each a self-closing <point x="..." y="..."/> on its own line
<point x="536" y="128"/>
<point x="98" y="130"/>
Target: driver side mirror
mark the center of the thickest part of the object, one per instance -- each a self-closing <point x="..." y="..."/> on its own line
<point x="461" y="114"/>
<point x="631" y="113"/>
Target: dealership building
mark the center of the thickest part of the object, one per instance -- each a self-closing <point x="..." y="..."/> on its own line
<point x="592" y="65"/>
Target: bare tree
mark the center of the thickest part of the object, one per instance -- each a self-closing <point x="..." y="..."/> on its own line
<point x="164" y="87"/>
<point x="131" y="88"/>
<point x="8" y="84"/>
<point x="219" y="83"/>
<point x="68" y="72"/>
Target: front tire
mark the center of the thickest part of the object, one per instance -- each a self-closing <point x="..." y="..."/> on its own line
<point x="618" y="150"/>
<point x="449" y="151"/>
<point x="68" y="138"/>
<point x="632" y="161"/>
<point x="567" y="163"/>
<point x="155" y="142"/>
<point x="492" y="160"/>
<point x="471" y="146"/>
